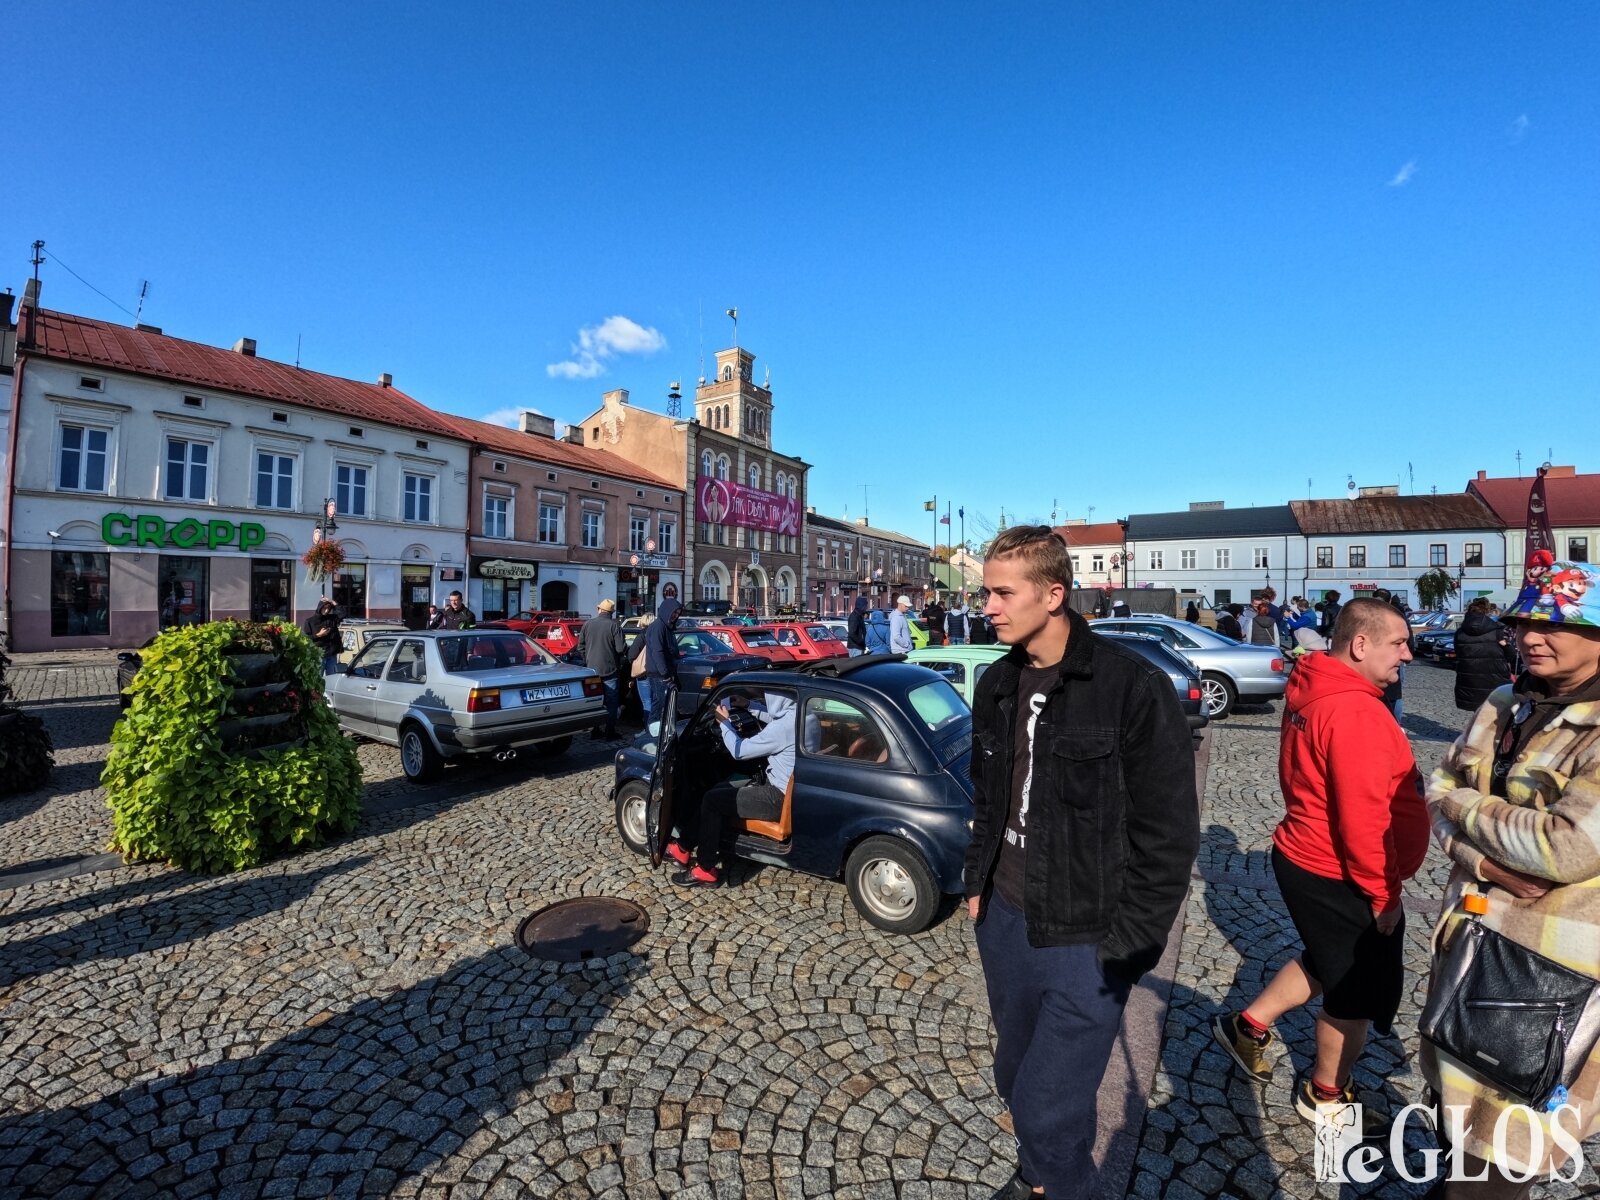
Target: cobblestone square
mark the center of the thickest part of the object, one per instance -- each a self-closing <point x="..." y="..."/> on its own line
<point x="357" y="1020"/>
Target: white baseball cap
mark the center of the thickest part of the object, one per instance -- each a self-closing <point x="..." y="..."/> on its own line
<point x="906" y="600"/>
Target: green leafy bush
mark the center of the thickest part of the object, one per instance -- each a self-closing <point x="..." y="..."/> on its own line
<point x="227" y="753"/>
<point x="26" y="754"/>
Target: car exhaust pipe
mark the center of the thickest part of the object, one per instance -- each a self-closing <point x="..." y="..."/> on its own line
<point x="506" y="755"/>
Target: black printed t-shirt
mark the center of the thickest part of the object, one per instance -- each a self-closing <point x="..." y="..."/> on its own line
<point x="1009" y="873"/>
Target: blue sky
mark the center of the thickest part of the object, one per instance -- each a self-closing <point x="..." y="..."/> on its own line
<point x="1021" y="257"/>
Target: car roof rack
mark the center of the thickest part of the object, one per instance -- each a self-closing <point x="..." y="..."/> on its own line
<point x="839" y="667"/>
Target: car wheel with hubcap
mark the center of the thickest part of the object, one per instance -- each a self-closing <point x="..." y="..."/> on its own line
<point x="891" y="886"/>
<point x="633" y="807"/>
<point x="418" y="759"/>
<point x="1218" y="694"/>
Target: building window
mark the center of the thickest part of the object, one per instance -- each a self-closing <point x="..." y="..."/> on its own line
<point x="1158" y="560"/>
<point x="667" y="536"/>
<point x="418" y="504"/>
<point x="1397" y="556"/>
<point x="83" y="458"/>
<point x="1075" y="567"/>
<point x="1358" y="556"/>
<point x="184" y="584"/>
<point x="1578" y="549"/>
<point x="1186" y="559"/>
<point x="592" y="533"/>
<point x="638" y="533"/>
<point x="706" y="467"/>
<point x="80" y="594"/>
<point x="833" y="555"/>
<point x="188" y="467"/>
<point x="1474" y="554"/>
<point x="1224" y="560"/>
<point x="1261" y="559"/>
<point x="1438" y="555"/>
<point x="755" y="476"/>
<point x="350" y="589"/>
<point x="550" y="523"/>
<point x="1222" y="596"/>
<point x="274" y="480"/>
<point x="1324" y="558"/>
<point x="847" y="567"/>
<point x="493" y="599"/>
<point x="496" y="516"/>
<point x="722" y="467"/>
<point x="1097" y="563"/>
<point x="350" y="489"/>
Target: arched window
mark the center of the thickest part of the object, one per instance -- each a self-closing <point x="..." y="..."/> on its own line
<point x="726" y="421"/>
<point x="755" y="476"/>
<point x="777" y="484"/>
<point x="722" y="467"/>
<point x="727" y="372"/>
<point x="705" y="464"/>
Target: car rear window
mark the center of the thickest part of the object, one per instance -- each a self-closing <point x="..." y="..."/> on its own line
<point x="938" y="705"/>
<point x="821" y="633"/>
<point x="760" y="637"/>
<point x="487" y="651"/>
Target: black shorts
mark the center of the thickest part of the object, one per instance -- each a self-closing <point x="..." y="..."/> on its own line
<point x="1362" y="972"/>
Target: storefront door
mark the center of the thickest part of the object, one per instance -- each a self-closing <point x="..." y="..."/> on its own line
<point x="415" y="595"/>
<point x="350" y="589"/>
<point x="271" y="580"/>
<point x="184" y="590"/>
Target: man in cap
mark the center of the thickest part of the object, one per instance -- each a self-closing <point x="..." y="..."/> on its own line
<point x="602" y="647"/>
<point x="900" y="626"/>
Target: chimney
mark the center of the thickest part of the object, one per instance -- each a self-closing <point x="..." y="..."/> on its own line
<point x="1561" y="472"/>
<point x="30" y="294"/>
<point x="620" y="395"/>
<point x="386" y="380"/>
<point x="246" y="347"/>
<point x="574" y="435"/>
<point x="862" y="521"/>
<point x="811" y="510"/>
<point x="1483" y="474"/>
<point x="537" y="424"/>
<point x="143" y="328"/>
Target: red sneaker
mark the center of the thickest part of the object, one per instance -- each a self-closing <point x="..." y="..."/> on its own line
<point x="696" y="878"/>
<point x="677" y="854"/>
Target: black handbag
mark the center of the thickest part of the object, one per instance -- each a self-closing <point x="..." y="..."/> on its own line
<point x="1521" y="1021"/>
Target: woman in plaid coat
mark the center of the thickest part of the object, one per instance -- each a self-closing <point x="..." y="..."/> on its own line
<point x="1516" y="806"/>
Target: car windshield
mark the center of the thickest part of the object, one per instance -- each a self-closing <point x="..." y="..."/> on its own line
<point x="489" y="651"/>
<point x="760" y="637"/>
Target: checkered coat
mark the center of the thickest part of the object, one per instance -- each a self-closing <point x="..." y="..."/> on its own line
<point x="1548" y="826"/>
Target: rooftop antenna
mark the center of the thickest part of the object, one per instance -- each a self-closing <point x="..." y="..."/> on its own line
<point x="1412" y="476"/>
<point x="734" y="313"/>
<point x="1091" y="514"/>
<point x="866" y="503"/>
<point x="38" y="257"/>
<point x="1308" y="489"/>
<point x="144" y="290"/>
<point x="297" y="338"/>
<point x="674" y="400"/>
<point x="702" y="339"/>
<point x="1519" y="456"/>
<point x="1053" y="511"/>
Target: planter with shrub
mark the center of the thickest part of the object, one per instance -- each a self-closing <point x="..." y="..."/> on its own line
<point x="227" y="753"/>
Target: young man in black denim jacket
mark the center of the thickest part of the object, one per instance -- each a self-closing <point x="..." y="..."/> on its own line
<point x="1085" y="828"/>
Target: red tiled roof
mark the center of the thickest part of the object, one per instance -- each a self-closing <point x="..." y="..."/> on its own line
<point x="1392" y="514"/>
<point x="554" y="452"/>
<point x="1573" y="500"/>
<point x="157" y="356"/>
<point x="1100" y="534"/>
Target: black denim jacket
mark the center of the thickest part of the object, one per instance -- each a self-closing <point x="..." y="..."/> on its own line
<point x="1113" y="820"/>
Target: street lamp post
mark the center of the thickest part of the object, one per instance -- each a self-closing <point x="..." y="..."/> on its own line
<point x="325" y="527"/>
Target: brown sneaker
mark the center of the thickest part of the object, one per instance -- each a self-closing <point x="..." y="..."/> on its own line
<point x="1374" y="1121"/>
<point x="1250" y="1054"/>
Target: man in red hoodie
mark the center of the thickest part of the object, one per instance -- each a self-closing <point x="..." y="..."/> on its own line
<point x="1355" y="827"/>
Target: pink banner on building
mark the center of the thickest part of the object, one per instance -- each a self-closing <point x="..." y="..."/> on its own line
<point x="721" y="502"/>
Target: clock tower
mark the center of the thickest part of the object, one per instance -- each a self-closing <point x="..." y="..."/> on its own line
<point x="732" y="403"/>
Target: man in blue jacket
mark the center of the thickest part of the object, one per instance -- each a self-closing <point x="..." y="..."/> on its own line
<point x="661" y="658"/>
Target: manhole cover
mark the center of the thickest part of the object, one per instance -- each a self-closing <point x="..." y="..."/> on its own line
<point x="583" y="928"/>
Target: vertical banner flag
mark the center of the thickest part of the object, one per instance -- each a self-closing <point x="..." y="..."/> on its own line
<point x="1541" y="542"/>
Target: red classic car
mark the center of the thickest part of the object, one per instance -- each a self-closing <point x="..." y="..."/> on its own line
<point x="753" y="639"/>
<point x="809" y="641"/>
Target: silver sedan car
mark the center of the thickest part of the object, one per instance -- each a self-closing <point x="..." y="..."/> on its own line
<point x="442" y="694"/>
<point x="1229" y="671"/>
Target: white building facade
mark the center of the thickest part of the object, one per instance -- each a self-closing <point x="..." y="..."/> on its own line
<point x="1229" y="555"/>
<point x="160" y="482"/>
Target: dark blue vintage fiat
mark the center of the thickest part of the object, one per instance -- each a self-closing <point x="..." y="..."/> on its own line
<point x="880" y="793"/>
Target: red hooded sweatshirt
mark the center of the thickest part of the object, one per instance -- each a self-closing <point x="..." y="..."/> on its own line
<point x="1352" y="795"/>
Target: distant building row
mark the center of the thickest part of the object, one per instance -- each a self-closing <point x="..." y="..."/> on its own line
<point x="151" y="481"/>
<point x="1378" y="539"/>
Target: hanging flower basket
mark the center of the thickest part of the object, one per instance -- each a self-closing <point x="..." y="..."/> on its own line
<point x="323" y="559"/>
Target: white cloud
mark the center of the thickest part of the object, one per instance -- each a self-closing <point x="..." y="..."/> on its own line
<point x="1519" y="128"/>
<point x="597" y="344"/>
<point x="511" y="417"/>
<point x="1404" y="174"/>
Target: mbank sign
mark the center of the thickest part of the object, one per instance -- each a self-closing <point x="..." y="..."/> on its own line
<point x="119" y="529"/>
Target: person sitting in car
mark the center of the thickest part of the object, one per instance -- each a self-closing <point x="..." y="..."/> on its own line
<point x="759" y="799"/>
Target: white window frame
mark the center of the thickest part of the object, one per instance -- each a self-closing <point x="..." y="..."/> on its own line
<point x="369" y="471"/>
<point x="1224" y="558"/>
<point x="1263" y="558"/>
<point x="598" y="513"/>
<point x="275" y="453"/>
<point x="722" y="467"/>
<point x="189" y="442"/>
<point x="559" y="505"/>
<point x="1158" y="560"/>
<point x="432" y="481"/>
<point x="1097" y="563"/>
<point x="108" y="454"/>
<point x="510" y="503"/>
<point x="753" y="474"/>
<point x="1324" y="552"/>
<point x="1187" y="559"/>
<point x="666" y="536"/>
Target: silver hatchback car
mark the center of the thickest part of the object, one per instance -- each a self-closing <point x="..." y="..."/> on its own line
<point x="442" y="694"/>
<point x="1229" y="671"/>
